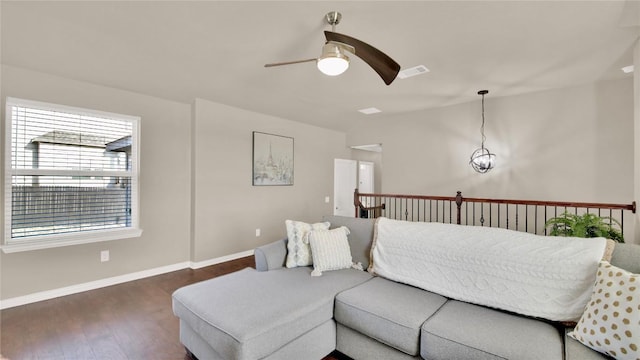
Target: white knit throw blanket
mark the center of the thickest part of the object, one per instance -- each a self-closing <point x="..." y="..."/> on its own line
<point x="541" y="276"/>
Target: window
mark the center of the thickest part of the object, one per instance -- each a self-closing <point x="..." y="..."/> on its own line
<point x="70" y="176"/>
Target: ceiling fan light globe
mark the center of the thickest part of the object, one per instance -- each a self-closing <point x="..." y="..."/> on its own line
<point x="332" y="62"/>
<point x="333" y="66"/>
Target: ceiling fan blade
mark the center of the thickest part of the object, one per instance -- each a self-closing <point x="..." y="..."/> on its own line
<point x="385" y="66"/>
<point x="289" y="62"/>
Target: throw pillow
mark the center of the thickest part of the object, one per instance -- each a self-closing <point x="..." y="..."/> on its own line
<point x="298" y="251"/>
<point x="330" y="250"/>
<point x="611" y="321"/>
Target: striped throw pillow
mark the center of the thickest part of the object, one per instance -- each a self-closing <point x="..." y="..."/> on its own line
<point x="330" y="250"/>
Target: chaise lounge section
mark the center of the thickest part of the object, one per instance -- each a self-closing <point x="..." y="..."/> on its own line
<point x="275" y="312"/>
<point x="254" y="314"/>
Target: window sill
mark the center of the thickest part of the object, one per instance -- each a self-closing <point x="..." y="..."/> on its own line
<point x="53" y="241"/>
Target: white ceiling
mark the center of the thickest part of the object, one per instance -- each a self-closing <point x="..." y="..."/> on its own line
<point x="182" y="50"/>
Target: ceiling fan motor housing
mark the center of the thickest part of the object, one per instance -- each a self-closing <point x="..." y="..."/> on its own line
<point x="333" y="50"/>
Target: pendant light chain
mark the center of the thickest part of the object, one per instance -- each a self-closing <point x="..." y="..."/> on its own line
<point x="482" y="126"/>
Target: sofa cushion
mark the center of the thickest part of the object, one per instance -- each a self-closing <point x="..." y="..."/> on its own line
<point x="360" y="238"/>
<point x="387" y="311"/>
<point x="315" y="344"/>
<point x="357" y="346"/>
<point x="465" y="331"/>
<point x="611" y="321"/>
<point x="298" y="250"/>
<point x="574" y="350"/>
<point x="250" y="314"/>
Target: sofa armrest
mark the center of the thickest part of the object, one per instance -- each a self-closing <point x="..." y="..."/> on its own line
<point x="271" y="256"/>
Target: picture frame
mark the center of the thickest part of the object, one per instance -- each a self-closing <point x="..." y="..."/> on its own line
<point x="272" y="160"/>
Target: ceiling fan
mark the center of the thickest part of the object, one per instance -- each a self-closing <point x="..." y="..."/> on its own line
<point x="334" y="60"/>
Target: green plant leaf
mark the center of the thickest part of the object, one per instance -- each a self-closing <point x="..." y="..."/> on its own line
<point x="586" y="225"/>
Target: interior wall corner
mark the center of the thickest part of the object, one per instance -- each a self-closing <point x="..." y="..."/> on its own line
<point x="636" y="122"/>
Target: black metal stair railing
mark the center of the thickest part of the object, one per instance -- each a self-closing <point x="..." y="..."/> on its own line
<point x="521" y="215"/>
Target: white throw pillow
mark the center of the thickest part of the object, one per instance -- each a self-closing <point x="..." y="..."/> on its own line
<point x="298" y="251"/>
<point x="330" y="250"/>
<point x="611" y="321"/>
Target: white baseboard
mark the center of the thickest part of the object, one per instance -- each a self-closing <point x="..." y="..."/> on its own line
<point x="201" y="264"/>
<point x="92" y="285"/>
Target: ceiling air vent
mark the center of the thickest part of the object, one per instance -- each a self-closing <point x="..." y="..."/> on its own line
<point x="369" y="111"/>
<point x="416" y="70"/>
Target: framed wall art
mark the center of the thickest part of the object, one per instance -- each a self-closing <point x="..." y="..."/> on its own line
<point x="272" y="159"/>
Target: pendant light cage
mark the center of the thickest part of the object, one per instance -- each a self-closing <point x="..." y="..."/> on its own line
<point x="482" y="160"/>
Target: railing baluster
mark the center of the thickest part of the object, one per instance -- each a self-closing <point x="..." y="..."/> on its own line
<point x="406" y="210"/>
<point x="466" y="213"/>
<point x="474" y="214"/>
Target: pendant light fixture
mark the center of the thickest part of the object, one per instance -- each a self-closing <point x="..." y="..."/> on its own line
<point x="482" y="160"/>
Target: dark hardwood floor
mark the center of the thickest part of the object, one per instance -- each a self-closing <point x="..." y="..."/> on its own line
<point x="131" y="321"/>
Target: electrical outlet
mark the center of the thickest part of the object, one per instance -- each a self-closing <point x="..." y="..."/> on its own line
<point x="104" y="255"/>
<point x="327" y="199"/>
<point x="257" y="232"/>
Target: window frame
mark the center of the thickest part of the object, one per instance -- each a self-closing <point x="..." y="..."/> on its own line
<point x="10" y="244"/>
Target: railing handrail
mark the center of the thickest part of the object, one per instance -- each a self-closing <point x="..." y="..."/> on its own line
<point x="631" y="207"/>
<point x="462" y="206"/>
<point x="421" y="197"/>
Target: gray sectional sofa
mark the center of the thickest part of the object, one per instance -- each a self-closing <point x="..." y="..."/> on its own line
<point x="273" y="312"/>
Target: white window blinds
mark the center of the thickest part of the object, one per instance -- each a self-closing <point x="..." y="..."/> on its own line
<point x="69" y="171"/>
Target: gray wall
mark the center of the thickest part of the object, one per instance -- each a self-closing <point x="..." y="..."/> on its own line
<point x="572" y="144"/>
<point x="227" y="208"/>
<point x="197" y="199"/>
<point x="164" y="189"/>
